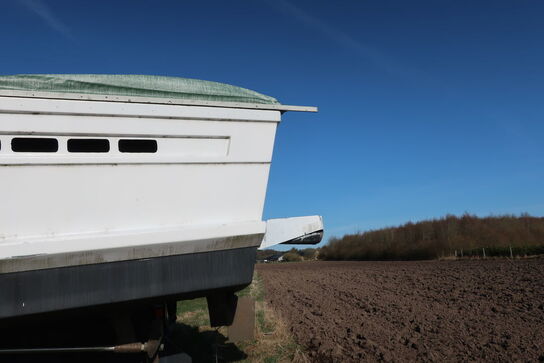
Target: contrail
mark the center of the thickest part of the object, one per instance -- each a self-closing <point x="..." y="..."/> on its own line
<point x="370" y="54"/>
<point x="39" y="8"/>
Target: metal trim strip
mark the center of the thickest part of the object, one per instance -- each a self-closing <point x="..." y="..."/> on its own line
<point x="165" y="101"/>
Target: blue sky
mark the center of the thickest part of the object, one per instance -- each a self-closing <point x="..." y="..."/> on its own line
<point x="426" y="107"/>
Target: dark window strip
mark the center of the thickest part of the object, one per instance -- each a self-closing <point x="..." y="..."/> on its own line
<point x="34" y="145"/>
<point x="88" y="145"/>
<point x="137" y="146"/>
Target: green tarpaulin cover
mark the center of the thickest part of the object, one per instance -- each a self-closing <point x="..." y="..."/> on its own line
<point x="133" y="85"/>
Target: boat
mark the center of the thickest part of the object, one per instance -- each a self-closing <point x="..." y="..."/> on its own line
<point x="133" y="189"/>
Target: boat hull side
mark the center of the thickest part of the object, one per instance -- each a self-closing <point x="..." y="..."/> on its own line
<point x="57" y="289"/>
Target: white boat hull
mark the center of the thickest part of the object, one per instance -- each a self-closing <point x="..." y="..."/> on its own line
<point x="210" y="170"/>
<point x="178" y="218"/>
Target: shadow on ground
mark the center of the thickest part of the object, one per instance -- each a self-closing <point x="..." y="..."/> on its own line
<point x="202" y="346"/>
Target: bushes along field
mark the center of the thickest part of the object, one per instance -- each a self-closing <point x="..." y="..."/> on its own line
<point x="465" y="236"/>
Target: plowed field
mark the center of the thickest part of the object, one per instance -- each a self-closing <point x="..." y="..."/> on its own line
<point x="490" y="310"/>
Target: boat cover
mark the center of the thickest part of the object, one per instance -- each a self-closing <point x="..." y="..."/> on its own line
<point x="134" y="85"/>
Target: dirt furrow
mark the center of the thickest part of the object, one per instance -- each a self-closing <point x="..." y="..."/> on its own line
<point x="489" y="310"/>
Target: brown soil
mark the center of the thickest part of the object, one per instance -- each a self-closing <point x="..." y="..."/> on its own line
<point x="490" y="310"/>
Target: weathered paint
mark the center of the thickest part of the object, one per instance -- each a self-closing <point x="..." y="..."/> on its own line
<point x="45" y="261"/>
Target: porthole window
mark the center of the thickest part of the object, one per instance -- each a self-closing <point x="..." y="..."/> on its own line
<point x="88" y="145"/>
<point x="34" y="145"/>
<point x="137" y="146"/>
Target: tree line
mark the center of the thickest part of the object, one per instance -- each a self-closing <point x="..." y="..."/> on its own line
<point x="465" y="236"/>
